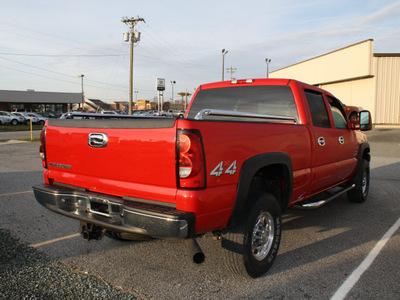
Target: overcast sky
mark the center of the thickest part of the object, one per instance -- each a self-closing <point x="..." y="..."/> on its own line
<point x="45" y="44"/>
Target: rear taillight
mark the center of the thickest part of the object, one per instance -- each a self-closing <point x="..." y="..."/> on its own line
<point x="42" y="149"/>
<point x="190" y="157"/>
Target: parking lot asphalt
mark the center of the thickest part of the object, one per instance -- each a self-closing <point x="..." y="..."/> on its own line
<point x="40" y="252"/>
<point x="15" y="135"/>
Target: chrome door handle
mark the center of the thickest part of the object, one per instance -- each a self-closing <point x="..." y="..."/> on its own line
<point x="341" y="140"/>
<point x="321" y="141"/>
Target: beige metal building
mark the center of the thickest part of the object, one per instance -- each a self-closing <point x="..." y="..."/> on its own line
<point x="356" y="76"/>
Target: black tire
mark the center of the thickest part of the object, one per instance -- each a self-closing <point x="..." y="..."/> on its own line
<point x="360" y="193"/>
<point x="41" y="122"/>
<point x="353" y="116"/>
<point x="247" y="253"/>
<point x="14" y="122"/>
<point x="127" y="236"/>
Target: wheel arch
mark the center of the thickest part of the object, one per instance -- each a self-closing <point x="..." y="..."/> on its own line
<point x="266" y="166"/>
<point x="363" y="153"/>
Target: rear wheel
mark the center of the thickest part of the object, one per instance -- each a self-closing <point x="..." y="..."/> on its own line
<point x="14" y="122"/>
<point x="360" y="192"/>
<point x="251" y="246"/>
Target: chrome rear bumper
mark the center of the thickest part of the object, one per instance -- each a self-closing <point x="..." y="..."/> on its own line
<point x="116" y="214"/>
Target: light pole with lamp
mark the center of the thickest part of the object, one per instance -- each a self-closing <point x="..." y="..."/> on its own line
<point x="267" y="60"/>
<point x="83" y="95"/>
<point x="223" y="62"/>
<point x="172" y="83"/>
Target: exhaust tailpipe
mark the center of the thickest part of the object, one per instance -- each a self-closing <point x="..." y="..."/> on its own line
<point x="194" y="251"/>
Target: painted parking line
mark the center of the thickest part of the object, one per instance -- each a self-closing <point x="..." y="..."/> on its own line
<point x="16" y="193"/>
<point x="56" y="240"/>
<point x="357" y="273"/>
<point x="7" y="142"/>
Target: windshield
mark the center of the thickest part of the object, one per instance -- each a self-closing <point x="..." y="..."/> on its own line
<point x="272" y="100"/>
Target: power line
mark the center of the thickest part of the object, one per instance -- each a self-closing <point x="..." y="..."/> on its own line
<point x="59" y="73"/>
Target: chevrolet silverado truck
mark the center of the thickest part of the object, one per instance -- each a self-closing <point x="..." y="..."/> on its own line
<point x="246" y="151"/>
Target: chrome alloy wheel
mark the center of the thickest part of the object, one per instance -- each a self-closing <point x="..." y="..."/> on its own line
<point x="364" y="183"/>
<point x="263" y="236"/>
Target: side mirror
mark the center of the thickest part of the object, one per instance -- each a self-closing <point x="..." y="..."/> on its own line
<point x="365" y="120"/>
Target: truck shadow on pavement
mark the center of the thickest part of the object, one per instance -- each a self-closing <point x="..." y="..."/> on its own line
<point x="313" y="235"/>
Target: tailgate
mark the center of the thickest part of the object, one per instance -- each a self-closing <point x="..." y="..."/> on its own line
<point x="131" y="158"/>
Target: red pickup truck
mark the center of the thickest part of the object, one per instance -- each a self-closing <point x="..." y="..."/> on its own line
<point x="245" y="151"/>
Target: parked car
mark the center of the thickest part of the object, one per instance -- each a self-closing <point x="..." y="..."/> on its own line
<point x="27" y="117"/>
<point x="181" y="113"/>
<point x="21" y="119"/>
<point x="352" y="112"/>
<point x="153" y="113"/>
<point x="48" y="114"/>
<point x="5" y="119"/>
<point x="139" y="113"/>
<point x="14" y="119"/>
<point x="109" y="112"/>
<point x="40" y="119"/>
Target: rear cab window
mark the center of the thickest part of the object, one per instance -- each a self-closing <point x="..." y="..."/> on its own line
<point x="270" y="100"/>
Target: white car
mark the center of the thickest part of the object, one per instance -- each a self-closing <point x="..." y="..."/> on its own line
<point x="21" y="119"/>
<point x="109" y="112"/>
<point x="5" y="120"/>
<point x="13" y="119"/>
<point x="27" y="118"/>
<point x="40" y="119"/>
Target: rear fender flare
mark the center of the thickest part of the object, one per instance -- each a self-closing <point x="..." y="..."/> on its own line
<point x="249" y="169"/>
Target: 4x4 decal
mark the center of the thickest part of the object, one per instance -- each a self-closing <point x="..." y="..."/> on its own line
<point x="228" y="166"/>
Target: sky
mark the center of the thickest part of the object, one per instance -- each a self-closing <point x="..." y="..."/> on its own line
<point x="45" y="44"/>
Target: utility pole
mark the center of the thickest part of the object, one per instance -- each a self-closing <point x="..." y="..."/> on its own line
<point x="134" y="37"/>
<point x="231" y="70"/>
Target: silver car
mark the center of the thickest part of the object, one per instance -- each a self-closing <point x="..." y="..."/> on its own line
<point x="27" y="117"/>
<point x="21" y="119"/>
<point x="5" y="120"/>
<point x="40" y="119"/>
<point x="13" y="119"/>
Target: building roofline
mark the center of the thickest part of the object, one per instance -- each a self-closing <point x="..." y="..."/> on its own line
<point x="369" y="40"/>
<point x="386" y="54"/>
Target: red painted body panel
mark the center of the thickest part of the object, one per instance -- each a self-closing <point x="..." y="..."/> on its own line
<point x="136" y="162"/>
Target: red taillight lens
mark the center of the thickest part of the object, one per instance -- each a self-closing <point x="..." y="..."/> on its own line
<point x="191" y="163"/>
<point x="42" y="149"/>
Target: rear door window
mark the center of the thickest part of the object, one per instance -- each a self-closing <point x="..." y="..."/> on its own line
<point x="319" y="114"/>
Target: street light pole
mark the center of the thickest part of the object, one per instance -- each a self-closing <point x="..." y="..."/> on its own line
<point x="267" y="60"/>
<point x="83" y="96"/>
<point x="172" y="83"/>
<point x="223" y="62"/>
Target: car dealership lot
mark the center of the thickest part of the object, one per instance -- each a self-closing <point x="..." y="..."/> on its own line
<point x="320" y="249"/>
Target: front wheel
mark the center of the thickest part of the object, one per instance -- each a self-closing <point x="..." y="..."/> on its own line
<point x="251" y="246"/>
<point x="360" y="192"/>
